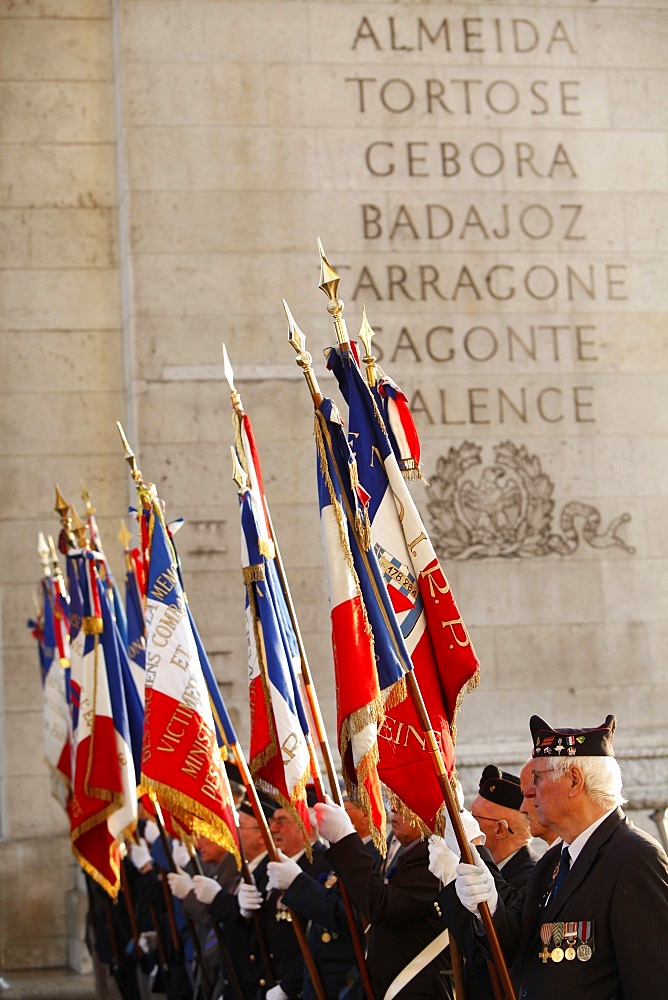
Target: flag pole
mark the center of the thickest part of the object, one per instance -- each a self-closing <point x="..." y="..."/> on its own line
<point x="190" y="924"/>
<point x="241" y="479"/>
<point x="304" y="360"/>
<point x="307" y="680"/>
<point x="148" y="496"/>
<point x="329" y="284"/>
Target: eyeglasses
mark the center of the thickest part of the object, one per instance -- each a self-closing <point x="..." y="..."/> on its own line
<point x="536" y="775"/>
<point x="281" y="820"/>
<point x="493" y="819"/>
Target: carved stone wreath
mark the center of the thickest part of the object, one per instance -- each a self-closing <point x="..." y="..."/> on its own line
<point x="508" y="509"/>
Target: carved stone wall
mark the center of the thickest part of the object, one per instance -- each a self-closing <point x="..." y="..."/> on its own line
<point x="489" y="179"/>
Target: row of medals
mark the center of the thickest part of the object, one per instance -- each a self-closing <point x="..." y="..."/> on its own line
<point x="567" y="933"/>
<point x="284" y="914"/>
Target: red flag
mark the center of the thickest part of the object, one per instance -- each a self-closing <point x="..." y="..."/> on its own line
<point x="440" y="649"/>
<point x="370" y="655"/>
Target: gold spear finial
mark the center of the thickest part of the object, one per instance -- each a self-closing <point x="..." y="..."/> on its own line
<point x="329" y="279"/>
<point x="229" y="375"/>
<point x="86" y="497"/>
<point x="124" y="536"/>
<point x="79" y="529"/>
<point x="62" y="508"/>
<point x="43" y="553"/>
<point x="297" y="340"/>
<point x="147" y="491"/>
<point x="238" y="473"/>
<point x="130" y="456"/>
<point x="55" y="565"/>
<point x="366" y="335"/>
<point x="329" y="283"/>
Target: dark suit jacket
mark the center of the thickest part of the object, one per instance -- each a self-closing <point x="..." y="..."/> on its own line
<point x="240" y="938"/>
<point x="283" y="945"/>
<point x="620" y="883"/>
<point x="401" y="912"/>
<point x="515" y="875"/>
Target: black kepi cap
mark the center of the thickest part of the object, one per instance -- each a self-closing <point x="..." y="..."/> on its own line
<point x="596" y="742"/>
<point x="500" y="787"/>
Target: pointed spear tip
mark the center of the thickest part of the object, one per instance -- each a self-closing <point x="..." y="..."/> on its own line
<point x="229" y="375"/>
<point x="366" y="332"/>
<point x="295" y="336"/>
<point x="79" y="528"/>
<point x="238" y="474"/>
<point x="129" y="454"/>
<point x="124" y="535"/>
<point x="62" y="505"/>
<point x="43" y="553"/>
<point x="229" y="371"/>
<point x="329" y="279"/>
<point x="52" y="550"/>
<point x="86" y="497"/>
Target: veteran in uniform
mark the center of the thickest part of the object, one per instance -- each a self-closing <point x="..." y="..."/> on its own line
<point x="505" y="832"/>
<point x="593" y="922"/>
<point x="407" y="953"/>
<point x="285" y="953"/>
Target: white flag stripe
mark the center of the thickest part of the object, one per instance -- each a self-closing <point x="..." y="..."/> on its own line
<point x="341" y="582"/>
<point x="170" y="638"/>
<point x="296" y="759"/>
<point x="363" y="741"/>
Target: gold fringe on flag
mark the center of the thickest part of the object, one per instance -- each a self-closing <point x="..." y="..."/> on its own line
<point x="252" y="574"/>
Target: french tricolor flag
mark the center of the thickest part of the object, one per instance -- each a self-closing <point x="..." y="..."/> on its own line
<point x="435" y="635"/>
<point x="100" y="786"/>
<point x="280" y="752"/>
<point x="370" y="655"/>
<point x="182" y="763"/>
<point x="57" y="716"/>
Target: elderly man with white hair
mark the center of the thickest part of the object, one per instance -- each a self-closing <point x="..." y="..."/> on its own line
<point x="593" y="922"/>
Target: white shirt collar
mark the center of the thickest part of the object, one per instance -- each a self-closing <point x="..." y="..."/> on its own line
<point x="578" y="844"/>
<point x="505" y="861"/>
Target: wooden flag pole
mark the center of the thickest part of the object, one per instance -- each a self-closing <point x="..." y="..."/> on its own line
<point x="240" y="476"/>
<point x="168" y="898"/>
<point x="241" y="479"/>
<point x="304" y="360"/>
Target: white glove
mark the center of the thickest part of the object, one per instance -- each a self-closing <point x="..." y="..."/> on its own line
<point x="442" y="861"/>
<point x="180" y="883"/>
<point x="147" y="942"/>
<point x="471" y="830"/>
<point x="474" y="885"/>
<point x="282" y="873"/>
<point x="333" y="821"/>
<point x="276" y="993"/>
<point x="206" y="889"/>
<point x="151" y="831"/>
<point x="249" y="898"/>
<point x="140" y="854"/>
<point x="180" y="853"/>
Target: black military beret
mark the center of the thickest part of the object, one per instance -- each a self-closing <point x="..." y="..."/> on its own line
<point x="500" y="787"/>
<point x="596" y="742"/>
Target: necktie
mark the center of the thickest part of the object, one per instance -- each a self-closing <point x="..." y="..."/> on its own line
<point x="564" y="868"/>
